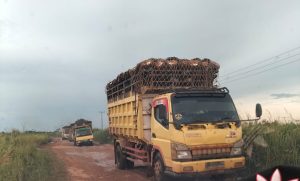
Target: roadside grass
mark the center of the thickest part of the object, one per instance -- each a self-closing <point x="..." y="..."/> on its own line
<point x="102" y="136"/>
<point x="22" y="159"/>
<point x="283" y="148"/>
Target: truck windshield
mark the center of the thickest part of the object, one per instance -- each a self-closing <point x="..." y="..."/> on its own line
<point x="199" y="109"/>
<point x="83" y="131"/>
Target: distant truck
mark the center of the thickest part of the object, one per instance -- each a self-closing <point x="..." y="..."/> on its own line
<point x="82" y="132"/>
<point x="71" y="132"/>
<point x="170" y="114"/>
<point x="65" y="132"/>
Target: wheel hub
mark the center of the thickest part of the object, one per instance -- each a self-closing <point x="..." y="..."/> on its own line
<point x="157" y="168"/>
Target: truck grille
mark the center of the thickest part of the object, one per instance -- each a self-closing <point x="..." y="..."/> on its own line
<point x="211" y="153"/>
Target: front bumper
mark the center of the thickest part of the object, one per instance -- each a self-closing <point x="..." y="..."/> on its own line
<point x="84" y="141"/>
<point x="207" y="167"/>
<point x="237" y="174"/>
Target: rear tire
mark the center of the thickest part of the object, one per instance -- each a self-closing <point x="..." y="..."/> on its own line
<point x="129" y="164"/>
<point x="120" y="158"/>
<point x="158" y="168"/>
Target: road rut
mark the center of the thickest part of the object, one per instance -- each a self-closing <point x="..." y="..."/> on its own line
<point x="90" y="163"/>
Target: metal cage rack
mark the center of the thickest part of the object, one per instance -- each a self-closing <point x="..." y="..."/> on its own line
<point x="155" y="75"/>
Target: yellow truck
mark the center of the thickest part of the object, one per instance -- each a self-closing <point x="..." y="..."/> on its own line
<point x="170" y="114"/>
<point x="82" y="132"/>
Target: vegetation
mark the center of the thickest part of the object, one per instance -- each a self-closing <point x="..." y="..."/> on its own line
<point x="22" y="159"/>
<point x="102" y="136"/>
<point x="283" y="146"/>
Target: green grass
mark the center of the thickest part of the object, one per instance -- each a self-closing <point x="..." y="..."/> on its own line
<point x="283" y="146"/>
<point x="21" y="159"/>
<point x="102" y="136"/>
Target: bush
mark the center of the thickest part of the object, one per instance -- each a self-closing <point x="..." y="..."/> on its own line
<point x="283" y="147"/>
<point x="21" y="159"/>
<point x="102" y="136"/>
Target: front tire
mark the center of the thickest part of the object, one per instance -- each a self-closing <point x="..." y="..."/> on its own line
<point x="158" y="168"/>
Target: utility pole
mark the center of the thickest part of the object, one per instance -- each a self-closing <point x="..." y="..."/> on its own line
<point x="101" y="112"/>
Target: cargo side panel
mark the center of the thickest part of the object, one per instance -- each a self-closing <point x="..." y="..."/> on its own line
<point x="130" y="117"/>
<point x="123" y="117"/>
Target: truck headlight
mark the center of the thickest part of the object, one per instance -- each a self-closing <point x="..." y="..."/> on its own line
<point x="236" y="151"/>
<point x="180" y="151"/>
<point x="237" y="148"/>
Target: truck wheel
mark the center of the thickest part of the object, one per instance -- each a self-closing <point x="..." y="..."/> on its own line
<point x="75" y="144"/>
<point x="129" y="164"/>
<point x="158" y="168"/>
<point x="120" y="158"/>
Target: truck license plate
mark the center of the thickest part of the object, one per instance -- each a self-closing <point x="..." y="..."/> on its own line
<point x="214" y="165"/>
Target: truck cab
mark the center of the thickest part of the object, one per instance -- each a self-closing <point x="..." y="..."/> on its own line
<point x="83" y="135"/>
<point x="196" y="132"/>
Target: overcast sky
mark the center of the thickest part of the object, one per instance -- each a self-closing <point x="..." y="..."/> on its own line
<point x="56" y="56"/>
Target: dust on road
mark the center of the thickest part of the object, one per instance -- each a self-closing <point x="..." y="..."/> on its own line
<point x="90" y="163"/>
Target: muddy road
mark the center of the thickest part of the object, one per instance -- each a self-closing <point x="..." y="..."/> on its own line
<point x="91" y="163"/>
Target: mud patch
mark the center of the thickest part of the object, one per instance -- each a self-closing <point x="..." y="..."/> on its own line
<point x="90" y="163"/>
<point x="75" y="172"/>
<point x="100" y="159"/>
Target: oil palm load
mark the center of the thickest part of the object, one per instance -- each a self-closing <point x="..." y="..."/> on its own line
<point x="156" y="75"/>
<point x="82" y="122"/>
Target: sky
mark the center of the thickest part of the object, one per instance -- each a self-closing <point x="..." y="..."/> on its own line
<point x="56" y="56"/>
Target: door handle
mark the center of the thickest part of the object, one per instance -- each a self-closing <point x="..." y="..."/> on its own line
<point x="153" y="135"/>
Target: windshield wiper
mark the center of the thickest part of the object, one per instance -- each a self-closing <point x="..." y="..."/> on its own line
<point x="195" y="122"/>
<point x="223" y="120"/>
<point x="226" y="120"/>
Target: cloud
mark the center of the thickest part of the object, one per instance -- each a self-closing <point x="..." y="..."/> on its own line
<point x="54" y="66"/>
<point x="284" y="95"/>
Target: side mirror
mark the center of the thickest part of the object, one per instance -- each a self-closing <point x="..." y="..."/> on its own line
<point x="165" y="122"/>
<point x="162" y="112"/>
<point x="163" y="115"/>
<point x="258" y="110"/>
<point x="177" y="125"/>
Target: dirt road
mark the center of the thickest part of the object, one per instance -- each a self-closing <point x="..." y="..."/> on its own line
<point x="90" y="163"/>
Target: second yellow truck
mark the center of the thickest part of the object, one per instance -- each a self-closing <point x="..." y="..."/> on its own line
<point x="82" y="132"/>
<point x="170" y="114"/>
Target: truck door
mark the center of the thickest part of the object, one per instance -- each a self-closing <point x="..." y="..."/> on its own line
<point x="160" y="126"/>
